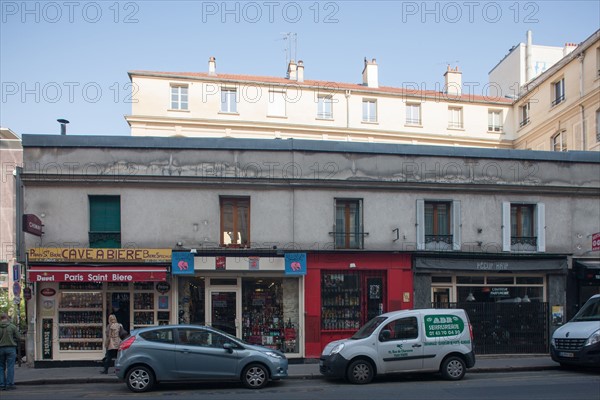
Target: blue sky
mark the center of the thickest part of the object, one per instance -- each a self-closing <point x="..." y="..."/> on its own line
<point x="69" y="59"/>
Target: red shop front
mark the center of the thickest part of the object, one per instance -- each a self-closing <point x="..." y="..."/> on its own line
<point x="343" y="291"/>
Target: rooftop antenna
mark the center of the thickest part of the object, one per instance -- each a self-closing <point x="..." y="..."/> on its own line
<point x="63" y="125"/>
<point x="292" y="46"/>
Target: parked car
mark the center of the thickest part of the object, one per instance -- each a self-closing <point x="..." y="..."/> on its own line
<point x="578" y="341"/>
<point x="171" y="353"/>
<point x="439" y="340"/>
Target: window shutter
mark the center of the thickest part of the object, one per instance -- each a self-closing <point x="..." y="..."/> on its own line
<point x="540" y="217"/>
<point x="421" y="224"/>
<point x="456" y="225"/>
<point x="505" y="226"/>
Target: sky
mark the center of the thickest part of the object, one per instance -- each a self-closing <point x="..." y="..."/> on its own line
<point x="69" y="59"/>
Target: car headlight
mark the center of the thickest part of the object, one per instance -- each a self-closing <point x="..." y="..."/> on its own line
<point x="337" y="349"/>
<point x="595" y="338"/>
<point x="273" y="354"/>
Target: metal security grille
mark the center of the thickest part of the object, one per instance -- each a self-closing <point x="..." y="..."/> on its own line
<point x="507" y="328"/>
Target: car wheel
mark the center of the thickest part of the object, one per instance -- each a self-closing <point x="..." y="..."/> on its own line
<point x="255" y="376"/>
<point x="360" y="372"/>
<point x="140" y="379"/>
<point x="453" y="368"/>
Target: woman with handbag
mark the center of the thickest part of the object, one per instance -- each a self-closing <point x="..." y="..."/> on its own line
<point x="114" y="333"/>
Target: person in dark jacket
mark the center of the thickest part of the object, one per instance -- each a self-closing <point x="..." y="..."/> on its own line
<point x="9" y="339"/>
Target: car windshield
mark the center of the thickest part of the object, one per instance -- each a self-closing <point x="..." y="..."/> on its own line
<point x="368" y="328"/>
<point x="589" y="312"/>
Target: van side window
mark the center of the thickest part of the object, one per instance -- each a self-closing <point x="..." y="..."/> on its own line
<point x="400" y="329"/>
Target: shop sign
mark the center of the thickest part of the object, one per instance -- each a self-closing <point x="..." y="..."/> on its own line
<point x="47" y="339"/>
<point x="27" y="293"/>
<point x="596" y="241"/>
<point x="182" y="263"/>
<point x="96" y="274"/>
<point x="48" y="292"/>
<point x="443" y="325"/>
<point x="163" y="287"/>
<point x="32" y="224"/>
<point x="59" y="254"/>
<point x="16" y="272"/>
<point x="253" y="263"/>
<point x="295" y="263"/>
<point x="220" y="263"/>
<point x="499" y="292"/>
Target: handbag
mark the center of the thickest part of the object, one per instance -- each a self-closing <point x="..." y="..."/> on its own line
<point x="122" y="332"/>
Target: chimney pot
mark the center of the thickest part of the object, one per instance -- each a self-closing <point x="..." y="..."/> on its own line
<point x="371" y="74"/>
<point x="292" y="72"/>
<point x="212" y="66"/>
<point x="453" y="82"/>
<point x="300" y="71"/>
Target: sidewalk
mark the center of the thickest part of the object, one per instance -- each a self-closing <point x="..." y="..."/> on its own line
<point x="309" y="370"/>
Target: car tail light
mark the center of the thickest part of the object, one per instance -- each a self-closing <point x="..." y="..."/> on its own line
<point x="125" y="344"/>
<point x="471" y="331"/>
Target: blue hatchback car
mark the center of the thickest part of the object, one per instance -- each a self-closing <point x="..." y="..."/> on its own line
<point x="171" y="353"/>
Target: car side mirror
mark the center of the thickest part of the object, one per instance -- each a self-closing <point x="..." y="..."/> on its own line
<point x="228" y="347"/>
<point x="385" y="335"/>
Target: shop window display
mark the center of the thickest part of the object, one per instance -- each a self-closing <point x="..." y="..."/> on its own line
<point x="191" y="301"/>
<point x="270" y="313"/>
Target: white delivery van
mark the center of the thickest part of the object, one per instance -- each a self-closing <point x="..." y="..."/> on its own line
<point x="437" y="340"/>
<point x="578" y="341"/>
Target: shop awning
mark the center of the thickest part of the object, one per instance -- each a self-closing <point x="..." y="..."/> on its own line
<point x="491" y="265"/>
<point x="589" y="264"/>
<point x="112" y="273"/>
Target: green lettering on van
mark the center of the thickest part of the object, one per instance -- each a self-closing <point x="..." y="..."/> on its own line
<point x="443" y="325"/>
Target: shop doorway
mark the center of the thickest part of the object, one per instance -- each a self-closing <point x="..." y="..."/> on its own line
<point x="223" y="310"/>
<point x="440" y="296"/>
<point x="119" y="304"/>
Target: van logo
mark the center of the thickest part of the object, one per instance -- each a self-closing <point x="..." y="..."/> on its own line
<point x="568" y="333"/>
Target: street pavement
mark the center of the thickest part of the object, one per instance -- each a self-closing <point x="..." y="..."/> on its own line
<point x="25" y="375"/>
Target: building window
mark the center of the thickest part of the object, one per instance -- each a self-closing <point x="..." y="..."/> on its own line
<point x="348" y="224"/>
<point x="523" y="227"/>
<point x="369" y="110"/>
<point x="413" y="114"/>
<point x="105" y="221"/>
<point x="559" y="92"/>
<point x="494" y="121"/>
<point x="276" y="105"/>
<point x="325" y="107"/>
<point x="228" y="100"/>
<point x="524" y="113"/>
<point x="235" y="221"/>
<point x="598" y="60"/>
<point x="455" y="120"/>
<point x="598" y="125"/>
<point x="438" y="225"/>
<point x="559" y="141"/>
<point x="179" y="97"/>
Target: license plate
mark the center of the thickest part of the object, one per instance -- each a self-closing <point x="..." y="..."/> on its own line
<point x="566" y="354"/>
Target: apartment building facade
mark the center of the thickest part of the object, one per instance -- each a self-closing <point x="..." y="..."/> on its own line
<point x="293" y="243"/>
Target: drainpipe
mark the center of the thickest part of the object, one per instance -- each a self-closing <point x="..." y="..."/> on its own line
<point x="583" y="129"/>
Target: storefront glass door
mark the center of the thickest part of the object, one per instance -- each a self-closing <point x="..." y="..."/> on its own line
<point x="223" y="311"/>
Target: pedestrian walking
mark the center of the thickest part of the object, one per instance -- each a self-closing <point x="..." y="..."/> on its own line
<point x="114" y="333"/>
<point x="9" y="340"/>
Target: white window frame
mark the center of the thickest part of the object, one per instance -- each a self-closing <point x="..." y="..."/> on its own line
<point x="495" y="121"/>
<point x="559" y="141"/>
<point x="324" y="106"/>
<point x="179" y="97"/>
<point x="455" y="222"/>
<point x="411" y="110"/>
<point x="276" y="107"/>
<point x="558" y="91"/>
<point x="455" y="117"/>
<point x="228" y="100"/>
<point x="369" y="110"/>
<point x="539" y="223"/>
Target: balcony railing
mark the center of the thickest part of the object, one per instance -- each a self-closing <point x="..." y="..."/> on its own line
<point x="524" y="122"/>
<point x="523" y="240"/>
<point x="355" y="239"/>
<point x="438" y="238"/>
<point x="559" y="99"/>
<point x="106" y="239"/>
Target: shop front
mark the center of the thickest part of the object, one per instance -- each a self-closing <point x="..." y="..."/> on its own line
<point x="257" y="298"/>
<point x="584" y="282"/>
<point x="514" y="303"/>
<point x="345" y="290"/>
<point x="75" y="290"/>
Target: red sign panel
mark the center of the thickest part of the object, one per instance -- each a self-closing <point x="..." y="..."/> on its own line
<point x="32" y="224"/>
<point x="97" y="274"/>
<point x="596" y="241"/>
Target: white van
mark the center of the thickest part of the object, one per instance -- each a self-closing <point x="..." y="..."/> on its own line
<point x="578" y="341"/>
<point x="437" y="340"/>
